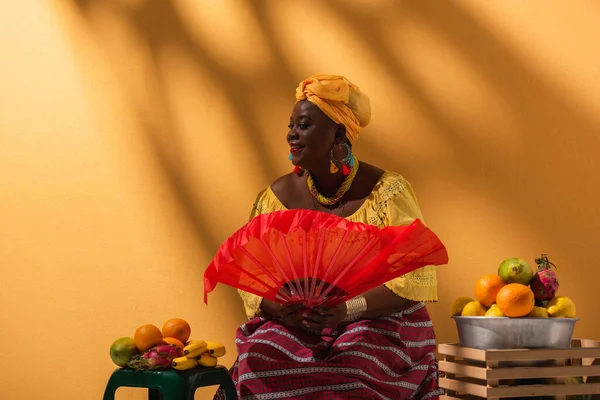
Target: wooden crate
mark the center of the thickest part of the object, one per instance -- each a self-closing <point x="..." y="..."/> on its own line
<point x="467" y="373"/>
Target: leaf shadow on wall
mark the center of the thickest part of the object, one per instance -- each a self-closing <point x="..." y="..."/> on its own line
<point x="158" y="24"/>
<point x="551" y="134"/>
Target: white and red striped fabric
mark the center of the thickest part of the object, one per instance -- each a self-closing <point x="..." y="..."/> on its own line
<point x="386" y="358"/>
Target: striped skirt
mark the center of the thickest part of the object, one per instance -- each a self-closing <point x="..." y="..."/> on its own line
<point x="386" y="358"/>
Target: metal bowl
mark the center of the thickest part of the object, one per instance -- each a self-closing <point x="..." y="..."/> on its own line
<point x="487" y="333"/>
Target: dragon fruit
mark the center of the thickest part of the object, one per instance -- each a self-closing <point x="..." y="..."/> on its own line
<point x="158" y="357"/>
<point x="544" y="283"/>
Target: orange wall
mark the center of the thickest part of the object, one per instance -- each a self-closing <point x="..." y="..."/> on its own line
<point x="134" y="135"/>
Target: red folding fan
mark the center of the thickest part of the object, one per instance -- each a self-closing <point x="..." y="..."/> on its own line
<point x="318" y="258"/>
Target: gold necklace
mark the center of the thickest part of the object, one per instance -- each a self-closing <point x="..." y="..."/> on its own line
<point x="329" y="201"/>
<point x="333" y="210"/>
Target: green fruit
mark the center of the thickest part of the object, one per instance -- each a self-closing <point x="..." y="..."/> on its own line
<point x="122" y="350"/>
<point x="515" y="270"/>
<point x="576" y="380"/>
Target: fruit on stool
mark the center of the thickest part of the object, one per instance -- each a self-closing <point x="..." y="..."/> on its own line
<point x="147" y="336"/>
<point x="177" y="328"/>
<point x="487" y="287"/>
<point x="183" y="363"/>
<point x="515" y="270"/>
<point x="158" y="357"/>
<point x="544" y="283"/>
<point x="215" y="349"/>
<point x="515" y="300"/>
<point x="174" y="342"/>
<point x="195" y="348"/>
<point x="206" y="360"/>
<point x="122" y="350"/>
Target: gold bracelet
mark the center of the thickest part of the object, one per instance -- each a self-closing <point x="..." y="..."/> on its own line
<point x="355" y="308"/>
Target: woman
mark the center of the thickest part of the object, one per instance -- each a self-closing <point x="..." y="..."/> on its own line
<point x="382" y="343"/>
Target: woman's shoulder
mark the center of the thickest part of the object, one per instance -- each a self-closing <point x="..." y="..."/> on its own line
<point x="275" y="196"/>
<point x="384" y="182"/>
<point x="286" y="187"/>
<point x="267" y="199"/>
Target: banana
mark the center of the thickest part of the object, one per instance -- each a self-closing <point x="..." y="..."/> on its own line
<point x="206" y="360"/>
<point x="195" y="348"/>
<point x="215" y="349"/>
<point x="183" y="363"/>
<point x="191" y="342"/>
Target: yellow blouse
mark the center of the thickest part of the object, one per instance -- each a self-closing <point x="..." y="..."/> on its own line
<point x="391" y="203"/>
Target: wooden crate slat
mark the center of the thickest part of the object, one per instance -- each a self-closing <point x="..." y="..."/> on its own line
<point x="463" y="368"/>
<point x="542" y="372"/>
<point x="457" y="351"/>
<point x="463" y="387"/>
<point x="544" y="390"/>
<point x="468" y="380"/>
<point x="542" y="354"/>
<point x="586" y="343"/>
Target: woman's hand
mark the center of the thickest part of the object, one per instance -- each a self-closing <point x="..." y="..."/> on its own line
<point x="291" y="315"/>
<point x="322" y="317"/>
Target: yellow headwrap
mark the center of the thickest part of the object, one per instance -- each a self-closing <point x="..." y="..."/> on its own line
<point x="339" y="99"/>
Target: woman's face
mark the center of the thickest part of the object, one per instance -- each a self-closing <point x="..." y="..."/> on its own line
<point x="311" y="136"/>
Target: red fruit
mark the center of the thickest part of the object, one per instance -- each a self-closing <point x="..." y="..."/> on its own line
<point x="158" y="357"/>
<point x="544" y="283"/>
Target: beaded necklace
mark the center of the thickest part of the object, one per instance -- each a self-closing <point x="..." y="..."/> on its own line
<point x="328" y="201"/>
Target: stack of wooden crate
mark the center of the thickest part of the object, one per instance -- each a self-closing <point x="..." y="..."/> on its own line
<point x="467" y="373"/>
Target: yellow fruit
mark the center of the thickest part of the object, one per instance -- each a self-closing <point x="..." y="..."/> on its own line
<point x="494" y="311"/>
<point x="206" y="360"/>
<point x="538" y="312"/>
<point x="458" y="304"/>
<point x="183" y="363"/>
<point x="515" y="300"/>
<point x="473" y="309"/>
<point x="561" y="307"/>
<point x="195" y="348"/>
<point x="215" y="349"/>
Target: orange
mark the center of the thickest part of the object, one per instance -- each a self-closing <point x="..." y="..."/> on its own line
<point x="487" y="287"/>
<point x="177" y="328"/>
<point x="172" y="340"/>
<point x="147" y="336"/>
<point x="515" y="300"/>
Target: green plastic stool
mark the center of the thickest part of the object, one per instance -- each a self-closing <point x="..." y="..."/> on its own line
<point x="171" y="384"/>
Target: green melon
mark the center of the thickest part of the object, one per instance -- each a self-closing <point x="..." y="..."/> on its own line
<point x="515" y="270"/>
<point x="122" y="350"/>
